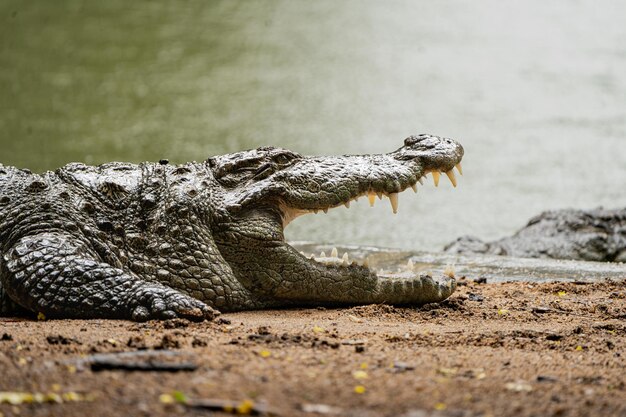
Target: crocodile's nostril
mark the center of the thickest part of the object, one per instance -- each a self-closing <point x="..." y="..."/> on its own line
<point x="412" y="140"/>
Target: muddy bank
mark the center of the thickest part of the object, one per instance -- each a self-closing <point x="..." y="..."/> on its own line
<point x="492" y="349"/>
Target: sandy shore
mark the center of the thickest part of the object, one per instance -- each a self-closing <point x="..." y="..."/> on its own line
<point x="490" y="350"/>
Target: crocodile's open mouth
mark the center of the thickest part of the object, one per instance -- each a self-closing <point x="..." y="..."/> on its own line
<point x="332" y="259"/>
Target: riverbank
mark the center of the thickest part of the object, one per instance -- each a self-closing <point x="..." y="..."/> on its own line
<point x="490" y="350"/>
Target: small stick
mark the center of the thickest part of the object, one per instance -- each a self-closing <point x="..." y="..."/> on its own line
<point x="117" y="365"/>
<point x="141" y="360"/>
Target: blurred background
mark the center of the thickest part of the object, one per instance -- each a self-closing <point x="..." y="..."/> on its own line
<point x="534" y="90"/>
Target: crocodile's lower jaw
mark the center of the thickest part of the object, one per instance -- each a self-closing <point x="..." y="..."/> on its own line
<point x="333" y="260"/>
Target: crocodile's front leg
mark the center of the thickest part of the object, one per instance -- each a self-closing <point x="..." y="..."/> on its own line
<point x="56" y="274"/>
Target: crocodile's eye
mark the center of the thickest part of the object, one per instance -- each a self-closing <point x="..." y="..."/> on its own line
<point x="282" y="159"/>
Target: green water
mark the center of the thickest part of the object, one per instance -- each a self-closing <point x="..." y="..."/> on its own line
<point x="536" y="92"/>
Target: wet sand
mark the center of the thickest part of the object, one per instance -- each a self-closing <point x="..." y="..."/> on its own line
<point x="490" y="350"/>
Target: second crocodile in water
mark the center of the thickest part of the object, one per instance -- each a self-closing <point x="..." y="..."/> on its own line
<point x="155" y="240"/>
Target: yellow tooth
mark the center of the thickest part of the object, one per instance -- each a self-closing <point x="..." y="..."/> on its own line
<point x="372" y="197"/>
<point x="345" y="259"/>
<point x="323" y="254"/>
<point x="414" y="187"/>
<point x="315" y="211"/>
<point x="409" y="265"/>
<point x="326" y="210"/>
<point x="334" y="253"/>
<point x="380" y="195"/>
<point x="393" y="199"/>
<point x="458" y="166"/>
<point x="421" y="180"/>
<point x="347" y="204"/>
<point x="452" y="178"/>
<point x="436" y="175"/>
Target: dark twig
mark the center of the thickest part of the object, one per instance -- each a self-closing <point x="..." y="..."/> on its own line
<point x="141" y="360"/>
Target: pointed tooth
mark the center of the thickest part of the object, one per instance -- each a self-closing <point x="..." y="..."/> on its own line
<point x="436" y="175"/>
<point x="451" y="177"/>
<point x="323" y="254"/>
<point x="315" y="211"/>
<point x="393" y="199"/>
<point x="366" y="263"/>
<point x="410" y="265"/>
<point x="345" y="259"/>
<point x="372" y="197"/>
<point x="326" y="210"/>
<point x="380" y="195"/>
<point x="458" y="166"/>
<point x="347" y="204"/>
<point x="421" y="180"/>
<point x="334" y="253"/>
<point x="312" y="257"/>
<point x="414" y="187"/>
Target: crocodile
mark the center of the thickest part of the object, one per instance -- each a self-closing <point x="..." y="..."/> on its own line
<point x="156" y="240"/>
<point x="587" y="235"/>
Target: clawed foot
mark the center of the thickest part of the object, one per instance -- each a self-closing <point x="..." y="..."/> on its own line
<point x="166" y="303"/>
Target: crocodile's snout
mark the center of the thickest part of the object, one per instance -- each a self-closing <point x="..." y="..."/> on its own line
<point x="435" y="154"/>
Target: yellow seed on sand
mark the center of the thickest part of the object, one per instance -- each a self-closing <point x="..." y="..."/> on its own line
<point x="359" y="389"/>
<point x="166" y="399"/>
<point x="246" y="407"/>
<point x="318" y="329"/>
<point x="440" y="406"/>
<point x="359" y="374"/>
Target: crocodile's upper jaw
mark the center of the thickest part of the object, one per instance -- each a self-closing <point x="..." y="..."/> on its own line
<point x="291" y="213"/>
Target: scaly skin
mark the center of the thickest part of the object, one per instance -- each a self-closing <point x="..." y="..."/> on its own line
<point x="159" y="241"/>
<point x="587" y="235"/>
